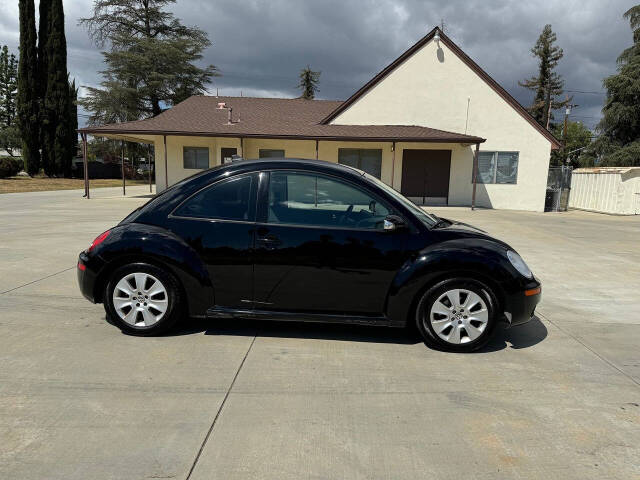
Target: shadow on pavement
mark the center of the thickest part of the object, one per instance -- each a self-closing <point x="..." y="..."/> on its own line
<point x="522" y="336"/>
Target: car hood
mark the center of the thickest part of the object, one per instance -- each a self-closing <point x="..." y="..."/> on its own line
<point x="458" y="230"/>
<point x="455" y="225"/>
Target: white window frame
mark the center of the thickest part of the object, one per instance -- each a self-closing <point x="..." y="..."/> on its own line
<point x="495" y="167"/>
<point x="359" y="165"/>
<point x="199" y="148"/>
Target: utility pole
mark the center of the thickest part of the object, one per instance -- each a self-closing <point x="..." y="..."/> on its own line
<point x="567" y="112"/>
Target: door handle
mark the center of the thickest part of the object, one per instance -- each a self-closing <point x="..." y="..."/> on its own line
<point x="270" y="241"/>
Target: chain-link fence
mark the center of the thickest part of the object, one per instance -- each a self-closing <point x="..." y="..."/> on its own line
<point x="558" y="189"/>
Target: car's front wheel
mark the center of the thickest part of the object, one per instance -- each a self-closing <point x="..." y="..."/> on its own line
<point x="142" y="299"/>
<point x="456" y="315"/>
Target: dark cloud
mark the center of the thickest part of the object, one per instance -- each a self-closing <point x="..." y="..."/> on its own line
<point x="260" y="45"/>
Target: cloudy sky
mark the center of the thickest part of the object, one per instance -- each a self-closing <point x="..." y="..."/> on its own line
<point x="259" y="46"/>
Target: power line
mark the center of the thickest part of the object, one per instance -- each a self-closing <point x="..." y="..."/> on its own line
<point x="585" y="91"/>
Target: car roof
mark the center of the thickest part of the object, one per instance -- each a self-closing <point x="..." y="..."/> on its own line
<point x="291" y="162"/>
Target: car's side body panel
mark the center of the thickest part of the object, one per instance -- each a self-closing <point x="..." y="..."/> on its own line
<point x="226" y="251"/>
<point x="135" y="242"/>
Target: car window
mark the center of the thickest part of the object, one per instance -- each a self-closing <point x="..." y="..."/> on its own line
<point x="426" y="218"/>
<point x="227" y="200"/>
<point x="315" y="200"/>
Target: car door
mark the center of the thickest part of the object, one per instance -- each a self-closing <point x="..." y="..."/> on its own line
<point x="321" y="246"/>
<point x="218" y="222"/>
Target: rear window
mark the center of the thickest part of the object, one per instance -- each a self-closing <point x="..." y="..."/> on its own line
<point x="226" y="200"/>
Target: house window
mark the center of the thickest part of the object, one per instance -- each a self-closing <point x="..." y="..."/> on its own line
<point x="195" y="157"/>
<point x="497" y="167"/>
<point x="269" y="153"/>
<point x="227" y="154"/>
<point x="366" y="159"/>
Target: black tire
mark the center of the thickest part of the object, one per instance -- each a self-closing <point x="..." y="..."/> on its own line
<point x="174" y="310"/>
<point x="431" y="295"/>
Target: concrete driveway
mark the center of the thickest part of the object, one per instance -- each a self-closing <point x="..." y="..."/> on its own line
<point x="556" y="398"/>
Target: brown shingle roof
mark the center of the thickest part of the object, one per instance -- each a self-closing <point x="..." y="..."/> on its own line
<point x="271" y="118"/>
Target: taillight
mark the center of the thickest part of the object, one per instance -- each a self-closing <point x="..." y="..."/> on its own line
<point x="98" y="240"/>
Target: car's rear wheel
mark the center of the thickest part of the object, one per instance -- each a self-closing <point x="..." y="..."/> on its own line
<point x="456" y="315"/>
<point x="142" y="299"/>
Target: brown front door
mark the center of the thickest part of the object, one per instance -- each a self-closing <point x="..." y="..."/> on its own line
<point x="425" y="176"/>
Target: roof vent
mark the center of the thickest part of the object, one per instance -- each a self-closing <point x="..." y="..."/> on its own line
<point x="223" y="106"/>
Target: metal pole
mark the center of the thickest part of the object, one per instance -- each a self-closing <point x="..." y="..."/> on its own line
<point x="124" y="187"/>
<point x="150" y="189"/>
<point x="316" y="149"/>
<point x="85" y="164"/>
<point x="393" y="161"/>
<point x="166" y="169"/>
<point x="475" y="177"/>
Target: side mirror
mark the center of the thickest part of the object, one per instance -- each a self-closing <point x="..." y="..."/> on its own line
<point x="393" y="222"/>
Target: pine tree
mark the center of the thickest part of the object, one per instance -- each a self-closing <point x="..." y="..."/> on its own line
<point x="56" y="99"/>
<point x="308" y="83"/>
<point x="619" y="142"/>
<point x="27" y="100"/>
<point x="9" y="135"/>
<point x="150" y="63"/>
<point x="548" y="85"/>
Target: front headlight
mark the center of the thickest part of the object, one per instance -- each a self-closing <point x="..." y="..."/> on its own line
<point x="519" y="264"/>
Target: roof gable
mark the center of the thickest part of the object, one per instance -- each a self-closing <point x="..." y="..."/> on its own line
<point x="466" y="60"/>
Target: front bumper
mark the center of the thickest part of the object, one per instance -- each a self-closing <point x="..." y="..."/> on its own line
<point x="520" y="306"/>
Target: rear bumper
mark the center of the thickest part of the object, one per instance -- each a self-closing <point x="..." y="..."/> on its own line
<point x="520" y="306"/>
<point x="87" y="271"/>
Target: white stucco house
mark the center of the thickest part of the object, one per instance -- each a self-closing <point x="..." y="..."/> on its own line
<point x="416" y="125"/>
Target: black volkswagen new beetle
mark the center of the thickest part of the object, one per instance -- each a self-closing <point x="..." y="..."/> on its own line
<point x="306" y="241"/>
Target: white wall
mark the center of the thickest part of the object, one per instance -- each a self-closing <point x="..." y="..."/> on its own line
<point x="460" y="181"/>
<point x="604" y="190"/>
<point x="175" y="168"/>
<point x="433" y="89"/>
<point x="327" y="151"/>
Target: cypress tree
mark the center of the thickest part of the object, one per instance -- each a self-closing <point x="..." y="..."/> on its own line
<point x="56" y="100"/>
<point x="27" y="87"/>
<point x="72" y="122"/>
<point x="43" y="35"/>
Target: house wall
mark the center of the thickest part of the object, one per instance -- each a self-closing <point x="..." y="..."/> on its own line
<point x="293" y="149"/>
<point x="175" y="144"/>
<point x="460" y="186"/>
<point x="435" y="88"/>
<point x="460" y="181"/>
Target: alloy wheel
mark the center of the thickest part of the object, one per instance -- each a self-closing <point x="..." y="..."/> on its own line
<point x="459" y="316"/>
<point x="140" y="299"/>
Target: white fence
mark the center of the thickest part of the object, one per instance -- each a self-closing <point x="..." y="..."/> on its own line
<point x="607" y="189"/>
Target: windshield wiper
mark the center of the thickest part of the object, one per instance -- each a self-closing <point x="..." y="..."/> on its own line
<point x="440" y="223"/>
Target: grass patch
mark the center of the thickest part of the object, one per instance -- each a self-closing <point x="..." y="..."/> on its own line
<point x="43" y="184"/>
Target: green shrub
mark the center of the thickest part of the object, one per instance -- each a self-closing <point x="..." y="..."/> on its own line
<point x="10" y="166"/>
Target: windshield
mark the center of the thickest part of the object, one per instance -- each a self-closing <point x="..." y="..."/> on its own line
<point x="428" y="219"/>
